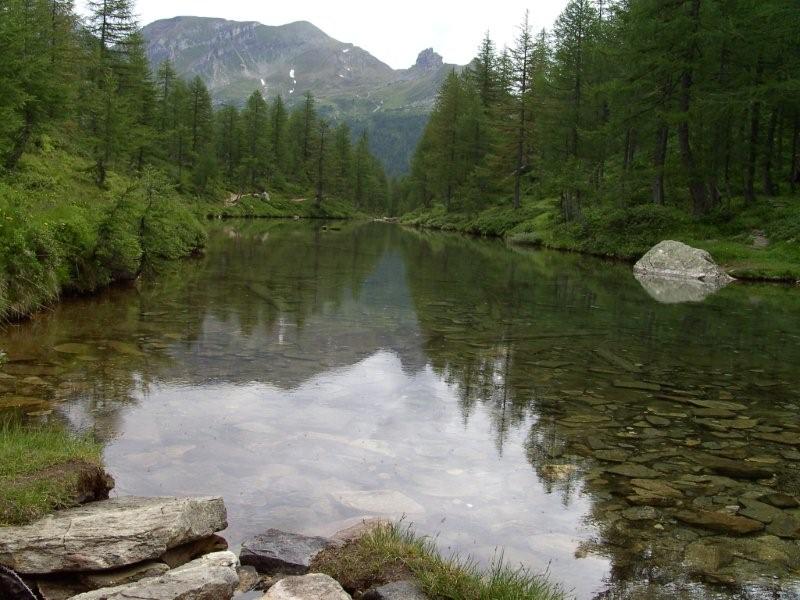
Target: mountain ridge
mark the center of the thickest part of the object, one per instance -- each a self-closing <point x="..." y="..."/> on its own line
<point x="235" y="58"/>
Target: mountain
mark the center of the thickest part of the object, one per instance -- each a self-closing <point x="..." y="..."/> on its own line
<point x="235" y="58"/>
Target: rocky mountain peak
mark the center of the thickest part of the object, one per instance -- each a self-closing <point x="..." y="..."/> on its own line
<point x="429" y="60"/>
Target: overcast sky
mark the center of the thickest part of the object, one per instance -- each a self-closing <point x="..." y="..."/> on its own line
<point x="393" y="32"/>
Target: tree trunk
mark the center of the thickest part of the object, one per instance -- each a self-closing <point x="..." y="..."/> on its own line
<point x="794" y="167"/>
<point x="697" y="189"/>
<point x="659" y="158"/>
<point x="320" y="167"/>
<point x="21" y="140"/>
<point x="768" y="183"/>
<point x="750" y="176"/>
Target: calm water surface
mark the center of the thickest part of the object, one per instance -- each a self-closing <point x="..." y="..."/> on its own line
<point x="538" y="402"/>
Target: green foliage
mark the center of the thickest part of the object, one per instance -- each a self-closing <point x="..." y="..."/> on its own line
<point x="686" y="105"/>
<point x="390" y="552"/>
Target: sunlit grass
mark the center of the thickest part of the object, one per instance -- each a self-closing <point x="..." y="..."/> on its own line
<point x="37" y="473"/>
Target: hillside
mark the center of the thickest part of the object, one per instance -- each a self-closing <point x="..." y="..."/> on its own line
<point x="235" y="58"/>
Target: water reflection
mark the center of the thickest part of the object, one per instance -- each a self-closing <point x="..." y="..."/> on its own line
<point x="536" y="401"/>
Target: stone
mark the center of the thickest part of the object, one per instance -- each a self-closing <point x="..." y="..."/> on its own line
<point x="73" y="348"/>
<point x="398" y="590"/>
<point x="753" y="509"/>
<point x="633" y="471"/>
<point x="737" y="469"/>
<point x="556" y="472"/>
<point x="657" y="421"/>
<point x="675" y="260"/>
<point x="248" y="579"/>
<point x="612" y="455"/>
<point x="385" y="502"/>
<point x="719" y="521"/>
<point x="116" y="577"/>
<point x="180" y="555"/>
<point x="779" y="500"/>
<point x="308" y="587"/>
<point x="637" y="385"/>
<point x="640" y="513"/>
<point x="785" y="526"/>
<point x="656" y="487"/>
<point x="276" y="551"/>
<point x="109" y="534"/>
<point x="785" y="437"/>
<point x="212" y="577"/>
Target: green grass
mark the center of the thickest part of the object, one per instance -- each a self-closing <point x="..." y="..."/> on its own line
<point x="392" y="552"/>
<point x="277" y="207"/>
<point x="60" y="233"/>
<point x="627" y="233"/>
<point x="40" y="469"/>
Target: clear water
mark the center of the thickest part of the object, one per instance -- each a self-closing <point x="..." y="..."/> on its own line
<point x="313" y="376"/>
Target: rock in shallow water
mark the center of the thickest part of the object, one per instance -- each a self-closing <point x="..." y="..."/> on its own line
<point x="109" y="534"/>
<point x="212" y="577"/>
<point x="719" y="521"/>
<point x="308" y="587"/>
<point x="399" y="590"/>
<point x="276" y="551"/>
<point x="670" y="259"/>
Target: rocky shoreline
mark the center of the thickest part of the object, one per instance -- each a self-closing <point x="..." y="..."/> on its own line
<point x="168" y="549"/>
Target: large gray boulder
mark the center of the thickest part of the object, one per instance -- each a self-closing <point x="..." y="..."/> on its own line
<point x="109" y="534"/>
<point x="212" y="577"/>
<point x="276" y="551"/>
<point x="676" y="260"/>
<point x="308" y="587"/>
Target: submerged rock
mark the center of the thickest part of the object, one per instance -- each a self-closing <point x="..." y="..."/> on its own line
<point x="676" y="260"/>
<point x="308" y="587"/>
<point x="719" y="521"/>
<point x="212" y="577"/>
<point x="276" y="551"/>
<point x="109" y="534"/>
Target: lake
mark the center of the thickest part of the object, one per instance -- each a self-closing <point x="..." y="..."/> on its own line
<point x="537" y="403"/>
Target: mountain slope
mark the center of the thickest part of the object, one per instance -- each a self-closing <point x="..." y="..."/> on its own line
<point x="235" y="58"/>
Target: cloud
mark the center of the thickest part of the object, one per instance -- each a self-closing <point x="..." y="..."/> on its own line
<point x="395" y="33"/>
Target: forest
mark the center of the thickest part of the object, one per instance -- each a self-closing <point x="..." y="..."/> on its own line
<point x="636" y="112"/>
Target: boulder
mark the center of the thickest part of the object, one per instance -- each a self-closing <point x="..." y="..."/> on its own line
<point x="359" y="530"/>
<point x="180" y="555"/>
<point x="109" y="534"/>
<point x="398" y="590"/>
<point x="737" y="469"/>
<point x="12" y="586"/>
<point x="123" y="576"/>
<point x="384" y="502"/>
<point x="308" y="587"/>
<point x="668" y="290"/>
<point x="276" y="551"/>
<point x="675" y="260"/>
<point x="212" y="577"/>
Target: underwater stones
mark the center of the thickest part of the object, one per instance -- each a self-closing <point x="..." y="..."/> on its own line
<point x="385" y="502"/>
<point x="613" y="455"/>
<point x="633" y="471"/>
<point x="640" y="513"/>
<point x="779" y="500"/>
<point x="785" y="526"/>
<point x="398" y="590"/>
<point x="738" y="469"/>
<point x="557" y="472"/>
<point x="631" y="384"/>
<point x="721" y="522"/>
<point x="276" y="551"/>
<point x="759" y="511"/>
<point x="785" y="437"/>
<point x="654" y="486"/>
<point x="73" y="348"/>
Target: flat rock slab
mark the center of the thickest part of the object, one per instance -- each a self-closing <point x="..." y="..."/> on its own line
<point x="276" y="551"/>
<point x="308" y="587"/>
<point x="212" y="577"/>
<point x="398" y="590"/>
<point x="384" y="502"/>
<point x="719" y="521"/>
<point x="109" y="534"/>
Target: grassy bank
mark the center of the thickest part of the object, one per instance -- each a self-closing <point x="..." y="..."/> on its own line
<point x="60" y="233"/>
<point x="43" y="468"/>
<point x="393" y="552"/>
<point x="278" y="207"/>
<point x="757" y="242"/>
